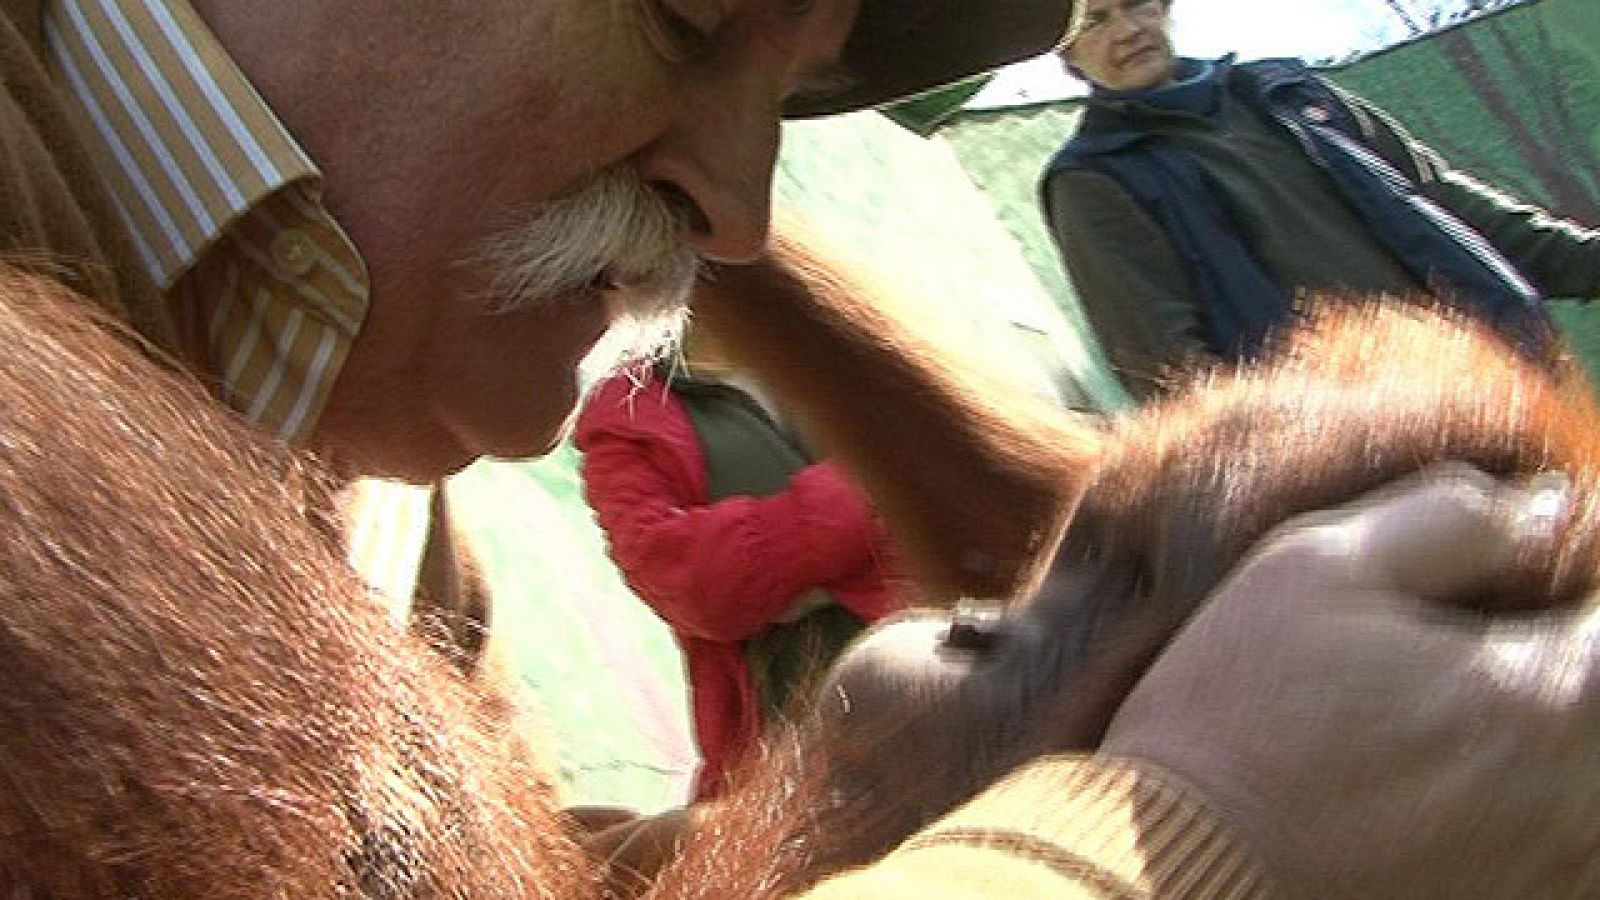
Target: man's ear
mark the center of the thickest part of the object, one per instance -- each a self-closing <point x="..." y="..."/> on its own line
<point x="976" y="479"/>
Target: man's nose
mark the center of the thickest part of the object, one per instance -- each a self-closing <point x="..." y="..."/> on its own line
<point x="720" y="182"/>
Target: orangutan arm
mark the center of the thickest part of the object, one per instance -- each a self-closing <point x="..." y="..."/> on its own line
<point x="975" y="480"/>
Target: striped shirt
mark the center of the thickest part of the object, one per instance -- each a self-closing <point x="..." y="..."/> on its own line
<point x="224" y="209"/>
<point x="1069" y="827"/>
<point x="223" y="206"/>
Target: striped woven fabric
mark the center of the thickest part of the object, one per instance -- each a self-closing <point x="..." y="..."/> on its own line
<point x="223" y="206"/>
<point x="1068" y="827"/>
<point x="225" y="210"/>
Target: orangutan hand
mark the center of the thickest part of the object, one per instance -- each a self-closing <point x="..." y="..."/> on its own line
<point x="1369" y="742"/>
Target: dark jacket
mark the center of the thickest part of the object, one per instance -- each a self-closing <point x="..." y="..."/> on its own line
<point x="1356" y="177"/>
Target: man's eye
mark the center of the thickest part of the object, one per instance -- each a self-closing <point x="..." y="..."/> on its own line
<point x="681" y="34"/>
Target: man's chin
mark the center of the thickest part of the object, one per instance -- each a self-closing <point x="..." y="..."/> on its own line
<point x="542" y="431"/>
<point x="533" y="449"/>
<point x="431" y="461"/>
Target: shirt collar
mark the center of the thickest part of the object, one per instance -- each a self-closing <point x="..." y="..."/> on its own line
<point x="185" y="143"/>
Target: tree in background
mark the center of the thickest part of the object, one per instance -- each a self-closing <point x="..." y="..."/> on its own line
<point x="1529" y="82"/>
<point x="1401" y="12"/>
<point x="1519" y="51"/>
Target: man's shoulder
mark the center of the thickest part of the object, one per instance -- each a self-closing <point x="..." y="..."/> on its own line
<point x="1279" y="79"/>
<point x="1288" y="88"/>
<point x="1287" y="67"/>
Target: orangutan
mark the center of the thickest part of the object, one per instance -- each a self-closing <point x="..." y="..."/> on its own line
<point x="200" y="700"/>
<point x="1139" y="517"/>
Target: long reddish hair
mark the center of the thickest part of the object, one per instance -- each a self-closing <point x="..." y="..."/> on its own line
<point x="1367" y="391"/>
<point x="199" y="699"/>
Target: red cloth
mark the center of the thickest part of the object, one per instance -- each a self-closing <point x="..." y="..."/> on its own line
<point x="718" y="573"/>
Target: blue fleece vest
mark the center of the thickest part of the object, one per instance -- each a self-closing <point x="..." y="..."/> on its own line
<point x="1240" y="301"/>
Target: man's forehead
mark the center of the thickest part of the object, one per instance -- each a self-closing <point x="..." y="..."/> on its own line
<point x="824" y="80"/>
<point x="823" y="70"/>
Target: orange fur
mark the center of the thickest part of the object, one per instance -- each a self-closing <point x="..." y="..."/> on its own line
<point x="200" y="700"/>
<point x="1365" y="393"/>
<point x="977" y="478"/>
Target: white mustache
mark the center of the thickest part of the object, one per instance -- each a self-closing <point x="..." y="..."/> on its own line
<point x="613" y="231"/>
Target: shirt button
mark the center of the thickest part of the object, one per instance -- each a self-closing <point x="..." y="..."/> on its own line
<point x="292" y="251"/>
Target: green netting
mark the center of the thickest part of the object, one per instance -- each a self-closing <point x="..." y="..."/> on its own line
<point x="1515" y="100"/>
<point x="924" y="113"/>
